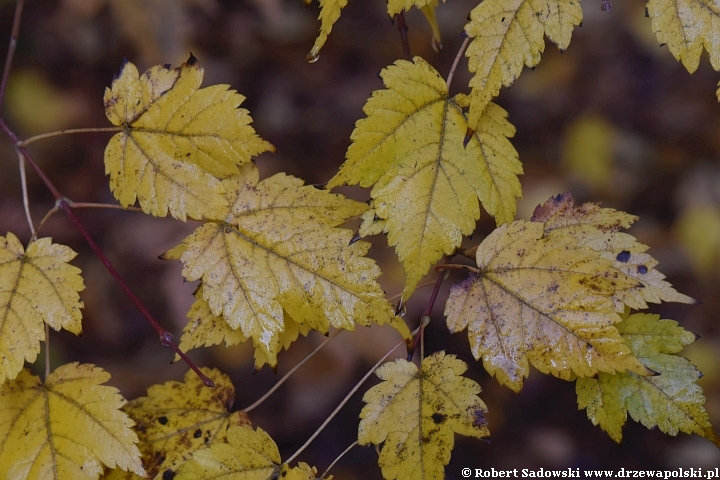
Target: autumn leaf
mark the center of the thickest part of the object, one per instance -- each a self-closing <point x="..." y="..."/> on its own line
<point x="669" y="400"/>
<point x="598" y="228"/>
<point x="279" y="251"/>
<point x="416" y="414"/>
<point x="206" y="329"/>
<point x="426" y="183"/>
<point x="177" y="418"/>
<point x="429" y="11"/>
<point x="509" y="34"/>
<point x="395" y="7"/>
<point x="248" y="455"/>
<point x="687" y="27"/>
<point x="37" y="286"/>
<point x="176" y="139"/>
<point x="65" y="429"/>
<point x="544" y="301"/>
<point x="329" y="14"/>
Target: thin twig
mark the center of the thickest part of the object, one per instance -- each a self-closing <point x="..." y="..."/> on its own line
<point x="68" y="131"/>
<point x="47" y="350"/>
<point x="352" y="445"/>
<point x="403" y="29"/>
<point x="453" y="266"/>
<point x="288" y="374"/>
<point x="457" y="60"/>
<point x="425" y="319"/>
<point x="166" y="337"/>
<point x="113" y="206"/>
<point x="47" y="216"/>
<point x="11" y="49"/>
<point x="26" y="200"/>
<point x="343" y="402"/>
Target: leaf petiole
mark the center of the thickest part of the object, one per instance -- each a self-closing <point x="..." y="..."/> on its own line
<point x="42" y="136"/>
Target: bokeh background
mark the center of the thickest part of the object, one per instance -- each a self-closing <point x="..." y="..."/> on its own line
<point x="614" y="119"/>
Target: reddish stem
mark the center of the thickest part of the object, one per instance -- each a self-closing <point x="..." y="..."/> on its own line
<point x="11" y="49"/>
<point x="403" y="29"/>
<point x="166" y="337"/>
<point x="428" y="309"/>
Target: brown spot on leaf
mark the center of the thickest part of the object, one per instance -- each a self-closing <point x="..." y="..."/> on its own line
<point x="623" y="256"/>
<point x="642" y="269"/>
<point x="163" y="420"/>
<point x="438" y="418"/>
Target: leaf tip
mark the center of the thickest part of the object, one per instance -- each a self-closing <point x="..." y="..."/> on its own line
<point x="191" y="61"/>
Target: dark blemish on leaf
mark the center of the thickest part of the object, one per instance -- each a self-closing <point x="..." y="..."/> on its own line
<point x="163" y="420"/>
<point x="438" y="418"/>
<point x="647" y="14"/>
<point x="464" y="34"/>
<point x="623" y="256"/>
<point x="642" y="269"/>
<point x="197" y="433"/>
<point x="168" y="474"/>
<point x="356" y="238"/>
<point x="167" y="66"/>
<point x="192" y="60"/>
<point x="502" y="19"/>
<point x="479" y="418"/>
<point x="468" y="135"/>
<point x="662" y="45"/>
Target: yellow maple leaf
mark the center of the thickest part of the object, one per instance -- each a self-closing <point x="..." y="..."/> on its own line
<point x="598" y="228"/>
<point x="329" y="14"/>
<point x="426" y="182"/>
<point x="278" y="251"/>
<point x="176" y="419"/>
<point x="247" y="454"/>
<point x="669" y="400"/>
<point x="65" y="429"/>
<point x="176" y="139"/>
<point x="206" y="329"/>
<point x="37" y="285"/>
<point x="541" y="300"/>
<point x="416" y="413"/>
<point x="687" y="26"/>
<point x="509" y="34"/>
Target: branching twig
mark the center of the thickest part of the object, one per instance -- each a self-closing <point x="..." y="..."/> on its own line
<point x="11" y="49"/>
<point x="342" y="403"/>
<point x="166" y="337"/>
<point x="288" y="374"/>
<point x="28" y="141"/>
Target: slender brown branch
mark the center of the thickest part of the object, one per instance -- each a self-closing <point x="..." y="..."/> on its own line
<point x="26" y="199"/>
<point x="343" y="402"/>
<point x="327" y="470"/>
<point x="42" y="136"/>
<point x="47" y="350"/>
<point x="453" y="266"/>
<point x="11" y="49"/>
<point x="112" y="206"/>
<point x="403" y="29"/>
<point x="457" y="60"/>
<point x="288" y="374"/>
<point x="166" y="337"/>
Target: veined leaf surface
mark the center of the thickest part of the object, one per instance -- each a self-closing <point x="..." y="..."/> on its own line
<point x="426" y="182"/>
<point x="37" y="285"/>
<point x="508" y="34"/>
<point x="416" y="414"/>
<point x="687" y="26"/>
<point x="206" y="329"/>
<point x="543" y="301"/>
<point x="598" y="228"/>
<point x="669" y="400"/>
<point x="66" y="429"/>
<point x="279" y="251"/>
<point x="177" y="138"/>
<point x="176" y="419"/>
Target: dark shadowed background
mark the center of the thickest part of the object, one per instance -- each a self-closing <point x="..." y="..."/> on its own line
<point x="614" y="119"/>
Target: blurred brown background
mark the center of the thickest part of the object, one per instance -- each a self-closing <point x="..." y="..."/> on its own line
<point x="615" y="118"/>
